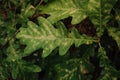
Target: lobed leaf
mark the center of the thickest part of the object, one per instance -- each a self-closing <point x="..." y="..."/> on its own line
<point x="73" y="69"/>
<point x="60" y="9"/>
<point x="101" y="10"/>
<point x="99" y="13"/>
<point x="47" y="37"/>
<point x="108" y="71"/>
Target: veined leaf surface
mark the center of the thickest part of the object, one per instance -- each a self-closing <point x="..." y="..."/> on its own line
<point x="108" y="71"/>
<point x="60" y="9"/>
<point x="47" y="37"/>
<point x="99" y="13"/>
<point x="97" y="10"/>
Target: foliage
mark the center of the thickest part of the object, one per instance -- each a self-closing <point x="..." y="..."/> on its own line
<point x="35" y="36"/>
<point x="38" y="40"/>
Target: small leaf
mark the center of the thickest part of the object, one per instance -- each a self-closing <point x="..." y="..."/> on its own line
<point x="115" y="33"/>
<point x="99" y="11"/>
<point x="117" y="15"/>
<point x="109" y="73"/>
<point x="33" y="68"/>
<point x="64" y="46"/>
<point x="15" y="72"/>
<point x="72" y="70"/>
<point x="28" y="11"/>
<point x="104" y="60"/>
<point x="12" y="53"/>
<point x="62" y="29"/>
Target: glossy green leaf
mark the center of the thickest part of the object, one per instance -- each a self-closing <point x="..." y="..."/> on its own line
<point x="47" y="37"/>
<point x="60" y="9"/>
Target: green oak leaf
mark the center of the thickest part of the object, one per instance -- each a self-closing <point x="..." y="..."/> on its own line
<point x="46" y="36"/>
<point x="60" y="9"/>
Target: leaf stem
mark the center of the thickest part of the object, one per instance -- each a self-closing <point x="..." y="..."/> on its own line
<point x="100" y="17"/>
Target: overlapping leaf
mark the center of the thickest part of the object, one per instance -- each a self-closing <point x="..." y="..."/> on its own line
<point x="108" y="71"/>
<point x="73" y="69"/>
<point x="99" y="13"/>
<point x="100" y="10"/>
<point x="47" y="37"/>
<point x="12" y="53"/>
<point x="115" y="33"/>
<point x="60" y="9"/>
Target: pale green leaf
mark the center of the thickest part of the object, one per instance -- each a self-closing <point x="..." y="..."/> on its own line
<point x="28" y="11"/>
<point x="47" y="37"/>
<point x="65" y="45"/>
<point x="12" y="53"/>
<point x="99" y="13"/>
<point x="33" y="68"/>
<point x="60" y="9"/>
<point x="115" y="33"/>
<point x="62" y="28"/>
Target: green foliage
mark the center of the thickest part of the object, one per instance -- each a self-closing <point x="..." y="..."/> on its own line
<point x="99" y="12"/>
<point x="38" y="40"/>
<point x="59" y="9"/>
<point x="115" y="33"/>
<point x="73" y="69"/>
<point x="47" y="37"/>
<point x="108" y="72"/>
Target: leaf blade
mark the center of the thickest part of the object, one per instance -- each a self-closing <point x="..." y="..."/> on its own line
<point x="47" y="37"/>
<point x="59" y="9"/>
